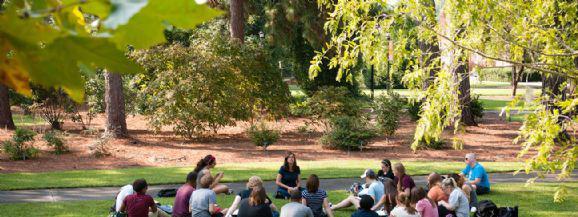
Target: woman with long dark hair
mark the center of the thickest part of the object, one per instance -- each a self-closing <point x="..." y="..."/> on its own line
<point x="256" y="205"/>
<point x="289" y="177"/>
<point x="388" y="200"/>
<point x="204" y="167"/>
<point x="316" y="198"/>
<point x="424" y="205"/>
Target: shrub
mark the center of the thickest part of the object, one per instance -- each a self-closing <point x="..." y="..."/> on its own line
<point x="433" y="144"/>
<point x="53" y="105"/>
<point x="413" y="109"/>
<point x="299" y="107"/>
<point x="477" y="107"/>
<point x="261" y="135"/>
<point x="55" y="142"/>
<point x="18" y="148"/>
<point x="330" y="102"/>
<point x="99" y="148"/>
<point x="347" y="133"/>
<point x="388" y="109"/>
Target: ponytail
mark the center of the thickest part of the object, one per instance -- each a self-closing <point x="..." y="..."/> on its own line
<point x="207" y="160"/>
<point x="404" y="199"/>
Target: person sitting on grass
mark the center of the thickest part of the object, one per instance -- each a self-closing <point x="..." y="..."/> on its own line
<point x="316" y="198"/>
<point x="140" y="204"/>
<point x="289" y="177"/>
<point x="254" y="181"/>
<point x="435" y="188"/>
<point x="457" y="202"/>
<point x="256" y="205"/>
<point x="122" y="194"/>
<point x="388" y="201"/>
<point x="181" y="204"/>
<point x="467" y="189"/>
<point x="296" y="208"/>
<point x="204" y="167"/>
<point x="404" y="208"/>
<point x="403" y="182"/>
<point x="365" y="204"/>
<point x="375" y="190"/>
<point x="203" y="202"/>
<point x="385" y="171"/>
<point x="476" y="175"/>
<point x="424" y="205"/>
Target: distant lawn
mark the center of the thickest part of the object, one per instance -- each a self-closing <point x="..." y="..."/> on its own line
<point x="27" y="120"/>
<point x="534" y="201"/>
<point x="233" y="173"/>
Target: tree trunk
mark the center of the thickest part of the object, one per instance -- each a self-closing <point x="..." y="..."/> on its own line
<point x="6" y="121"/>
<point x="430" y="50"/>
<point x="114" y="99"/>
<point x="237" y="20"/>
<point x="551" y="88"/>
<point x="516" y="76"/>
<point x="461" y="73"/>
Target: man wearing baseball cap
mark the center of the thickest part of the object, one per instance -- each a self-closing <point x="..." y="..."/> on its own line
<point x="374" y="190"/>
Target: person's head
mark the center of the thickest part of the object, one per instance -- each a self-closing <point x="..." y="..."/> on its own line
<point x="295" y="195"/>
<point x="418" y="194"/>
<point x="290" y="162"/>
<point x="398" y="170"/>
<point x="389" y="187"/>
<point x="366" y="202"/>
<point x="448" y="185"/>
<point x="140" y="186"/>
<point x="258" y="196"/>
<point x="385" y="165"/>
<point x="208" y="161"/>
<point x="313" y="183"/>
<point x="459" y="179"/>
<point x="403" y="199"/>
<point x="254" y="181"/>
<point x="206" y="181"/>
<point x="434" y="179"/>
<point x="470" y="159"/>
<point x="369" y="176"/>
<point x="192" y="179"/>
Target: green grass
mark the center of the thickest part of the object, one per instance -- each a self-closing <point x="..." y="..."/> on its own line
<point x="233" y="173"/>
<point x="27" y="120"/>
<point x="533" y="201"/>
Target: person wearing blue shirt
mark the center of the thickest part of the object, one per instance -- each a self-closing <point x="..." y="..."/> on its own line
<point x="476" y="175"/>
<point x="373" y="189"/>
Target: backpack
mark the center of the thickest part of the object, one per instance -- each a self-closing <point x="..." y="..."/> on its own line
<point x="487" y="208"/>
<point x="169" y="192"/>
<point x="508" y="212"/>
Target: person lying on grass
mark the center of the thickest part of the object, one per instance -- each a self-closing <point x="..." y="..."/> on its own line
<point x="204" y="167"/>
<point x="140" y="204"/>
<point x="374" y="190"/>
<point x="203" y="202"/>
<point x="181" y="204"/>
<point x="254" y="181"/>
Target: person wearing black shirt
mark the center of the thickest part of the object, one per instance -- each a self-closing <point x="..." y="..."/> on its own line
<point x="365" y="205"/>
<point x="385" y="171"/>
<point x="255" y="205"/>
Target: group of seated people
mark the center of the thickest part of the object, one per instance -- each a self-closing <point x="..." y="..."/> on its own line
<point x="389" y="192"/>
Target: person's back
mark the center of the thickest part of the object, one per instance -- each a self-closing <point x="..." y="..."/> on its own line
<point x="460" y="202"/>
<point x="122" y="194"/>
<point x="260" y="210"/>
<point x="181" y="204"/>
<point x="364" y="213"/>
<point x="315" y="201"/>
<point x="137" y="205"/>
<point x="401" y="211"/>
<point x="200" y="200"/>
<point x="296" y="209"/>
<point x="365" y="205"/>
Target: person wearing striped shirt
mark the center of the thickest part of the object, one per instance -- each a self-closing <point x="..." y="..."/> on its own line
<point x="316" y="198"/>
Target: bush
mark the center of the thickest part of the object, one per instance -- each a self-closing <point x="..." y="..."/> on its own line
<point x="99" y="148"/>
<point x="299" y="107"/>
<point x="262" y="136"/>
<point x="388" y="109"/>
<point x="433" y="144"/>
<point x="477" y="107"/>
<point x="330" y="102"/>
<point x="18" y="148"/>
<point x="55" y="142"/>
<point x="347" y="133"/>
<point x="413" y="109"/>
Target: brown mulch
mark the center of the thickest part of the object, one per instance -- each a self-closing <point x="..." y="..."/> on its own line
<point x="491" y="140"/>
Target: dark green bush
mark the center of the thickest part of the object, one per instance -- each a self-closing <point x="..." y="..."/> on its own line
<point x="388" y="110"/>
<point x="477" y="107"/>
<point x="261" y="135"/>
<point x="413" y="109"/>
<point x="347" y="133"/>
<point x="53" y="140"/>
<point x="299" y="107"/>
<point x="18" y="148"/>
<point x="331" y="102"/>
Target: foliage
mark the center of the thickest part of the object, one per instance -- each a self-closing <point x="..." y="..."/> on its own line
<point x="263" y="136"/>
<point x="347" y="133"/>
<point x="100" y="147"/>
<point x="477" y="107"/>
<point x="299" y="107"/>
<point x="388" y="109"/>
<point x="413" y="108"/>
<point x="18" y="148"/>
<point x="53" y="105"/>
<point x="54" y="140"/>
<point x="210" y="84"/>
<point x="46" y="41"/>
<point x="331" y="102"/>
<point x="495" y="74"/>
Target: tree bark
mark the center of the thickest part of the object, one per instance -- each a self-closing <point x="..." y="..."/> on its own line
<point x="461" y="73"/>
<point x="551" y="88"/>
<point x="6" y="121"/>
<point x="430" y="50"/>
<point x="516" y="76"/>
<point x="237" y="20"/>
<point x="114" y="99"/>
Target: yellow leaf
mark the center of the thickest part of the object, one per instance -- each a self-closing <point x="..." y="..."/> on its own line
<point x="12" y="72"/>
<point x="80" y="17"/>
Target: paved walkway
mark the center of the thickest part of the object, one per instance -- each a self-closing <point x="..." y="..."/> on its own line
<point x="108" y="193"/>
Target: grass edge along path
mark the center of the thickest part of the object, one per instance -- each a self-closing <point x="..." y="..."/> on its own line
<point x="533" y="201"/>
<point x="238" y="172"/>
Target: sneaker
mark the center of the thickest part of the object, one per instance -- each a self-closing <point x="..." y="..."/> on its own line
<point x="473" y="209"/>
<point x="230" y="192"/>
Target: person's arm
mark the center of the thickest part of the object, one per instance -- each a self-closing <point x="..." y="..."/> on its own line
<point x="212" y="203"/>
<point x="327" y="208"/>
<point x="272" y="206"/>
<point x="212" y="208"/>
<point x="451" y="204"/>
<point x="278" y="182"/>
<point x="303" y="201"/>
<point x="234" y="206"/>
<point x="123" y="206"/>
<point x="298" y="182"/>
<point x="407" y="191"/>
<point x="379" y="203"/>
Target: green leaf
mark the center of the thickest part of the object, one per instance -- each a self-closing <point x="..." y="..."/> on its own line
<point x="145" y="29"/>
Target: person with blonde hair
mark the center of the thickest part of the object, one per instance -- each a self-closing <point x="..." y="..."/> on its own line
<point x="403" y="182"/>
<point x="256" y="205"/>
<point x="457" y="201"/>
<point x="253" y="182"/>
<point x="404" y="208"/>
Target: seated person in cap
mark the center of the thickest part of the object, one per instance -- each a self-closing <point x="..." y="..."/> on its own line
<point x="374" y="189"/>
<point x="365" y="205"/>
<point x="295" y="208"/>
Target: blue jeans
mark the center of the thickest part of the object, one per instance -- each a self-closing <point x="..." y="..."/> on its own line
<point x="282" y="193"/>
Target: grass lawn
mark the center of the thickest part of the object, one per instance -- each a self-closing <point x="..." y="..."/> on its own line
<point x="233" y="173"/>
<point x="27" y="120"/>
<point x="533" y="201"/>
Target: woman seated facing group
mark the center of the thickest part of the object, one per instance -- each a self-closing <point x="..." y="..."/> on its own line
<point x="289" y="177"/>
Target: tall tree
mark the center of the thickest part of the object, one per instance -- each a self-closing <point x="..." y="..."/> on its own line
<point x="6" y="121"/>
<point x="114" y="100"/>
<point x="429" y="47"/>
<point x="461" y="73"/>
<point x="237" y="20"/>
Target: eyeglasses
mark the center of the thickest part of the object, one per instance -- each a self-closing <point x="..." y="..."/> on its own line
<point x="466" y="158"/>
